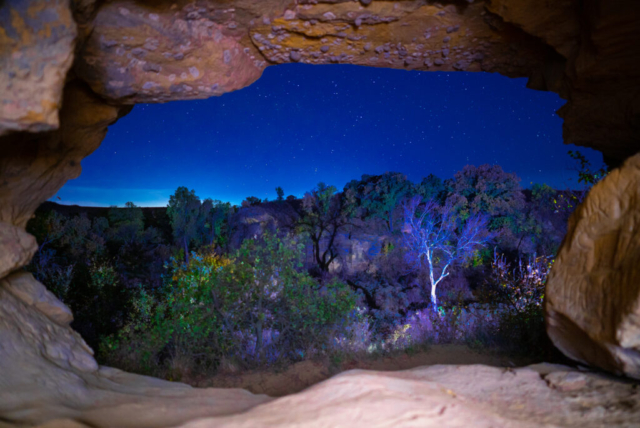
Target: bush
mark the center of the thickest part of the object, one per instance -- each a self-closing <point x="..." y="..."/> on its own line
<point x="252" y="309"/>
<point x="521" y="286"/>
<point x="508" y="317"/>
<point x="519" y="290"/>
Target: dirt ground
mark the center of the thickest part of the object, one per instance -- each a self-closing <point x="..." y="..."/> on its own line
<point x="306" y="373"/>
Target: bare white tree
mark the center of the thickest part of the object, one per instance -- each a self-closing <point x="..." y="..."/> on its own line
<point x="435" y="240"/>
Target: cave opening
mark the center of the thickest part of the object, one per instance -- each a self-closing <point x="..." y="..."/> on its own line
<point x="480" y="144"/>
<point x="272" y="296"/>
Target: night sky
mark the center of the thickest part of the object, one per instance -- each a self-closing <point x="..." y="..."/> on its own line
<point x="301" y="124"/>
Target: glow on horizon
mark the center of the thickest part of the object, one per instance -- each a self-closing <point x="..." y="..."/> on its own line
<point x="301" y="124"/>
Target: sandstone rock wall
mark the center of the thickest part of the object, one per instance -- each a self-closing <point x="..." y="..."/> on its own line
<point x="593" y="292"/>
<point x="134" y="51"/>
<point x="121" y="52"/>
<point x="37" y="41"/>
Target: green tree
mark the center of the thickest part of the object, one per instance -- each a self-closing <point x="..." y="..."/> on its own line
<point x="280" y="193"/>
<point x="185" y="215"/>
<point x="586" y="175"/>
<point x="486" y="190"/>
<point x="324" y="215"/>
<point x="432" y="188"/>
<point x="543" y="195"/>
<point x="254" y="307"/>
<point x="47" y="227"/>
<point x="251" y="200"/>
<point x="215" y="227"/>
<point x="567" y="200"/>
<point x="378" y="196"/>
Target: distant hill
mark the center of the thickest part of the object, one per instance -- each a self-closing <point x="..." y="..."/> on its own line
<point x="153" y="216"/>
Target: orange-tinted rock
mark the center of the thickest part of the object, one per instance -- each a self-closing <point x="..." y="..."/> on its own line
<point x="37" y="40"/>
<point x="175" y="51"/>
<point x="593" y="291"/>
<point x="586" y="52"/>
<point x="603" y="108"/>
<point x="135" y="51"/>
<point x="557" y="23"/>
<point x="407" y="35"/>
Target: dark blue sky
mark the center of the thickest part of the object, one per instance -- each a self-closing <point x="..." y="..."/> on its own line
<point x="301" y="124"/>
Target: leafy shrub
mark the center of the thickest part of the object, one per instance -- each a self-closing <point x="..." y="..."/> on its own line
<point x="251" y="309"/>
<point x="520" y="286"/>
<point x="520" y="290"/>
<point x="357" y="337"/>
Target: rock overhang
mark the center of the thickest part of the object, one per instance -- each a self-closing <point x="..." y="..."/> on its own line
<point x="69" y="69"/>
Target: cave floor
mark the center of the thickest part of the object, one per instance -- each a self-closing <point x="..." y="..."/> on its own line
<point x="301" y="375"/>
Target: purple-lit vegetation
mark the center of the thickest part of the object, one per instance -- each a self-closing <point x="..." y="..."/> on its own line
<point x="386" y="265"/>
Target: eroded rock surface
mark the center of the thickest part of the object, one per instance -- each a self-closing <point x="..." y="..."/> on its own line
<point x="586" y="52"/>
<point x="142" y="51"/>
<point x="135" y="51"/>
<point x="48" y="372"/>
<point x="183" y="50"/>
<point x="37" y="41"/>
<point x="32" y="293"/>
<point x="593" y="291"/>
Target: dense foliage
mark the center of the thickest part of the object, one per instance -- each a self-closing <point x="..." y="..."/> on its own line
<point x="252" y="308"/>
<point x="378" y="196"/>
<point x="384" y="265"/>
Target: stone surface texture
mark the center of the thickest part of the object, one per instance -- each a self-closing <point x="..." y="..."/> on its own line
<point x="450" y="396"/>
<point x="17" y="248"/>
<point x="37" y="42"/>
<point x="32" y="293"/>
<point x="69" y="69"/>
<point x="47" y="372"/>
<point x="593" y="292"/>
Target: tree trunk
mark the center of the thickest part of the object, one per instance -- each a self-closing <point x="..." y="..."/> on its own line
<point x="434" y="298"/>
<point x="434" y="284"/>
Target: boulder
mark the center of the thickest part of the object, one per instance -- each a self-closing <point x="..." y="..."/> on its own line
<point x="24" y="286"/>
<point x="48" y="373"/>
<point x="37" y="42"/>
<point x="16" y="248"/>
<point x="593" y="290"/>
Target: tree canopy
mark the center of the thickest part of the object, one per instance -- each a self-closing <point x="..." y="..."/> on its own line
<point x="378" y="196"/>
